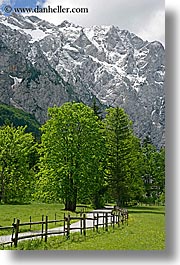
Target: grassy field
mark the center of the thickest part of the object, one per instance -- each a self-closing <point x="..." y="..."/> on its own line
<point x="146" y="231"/>
<point x="23" y="212"/>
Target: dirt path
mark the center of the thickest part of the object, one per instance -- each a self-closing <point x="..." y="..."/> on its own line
<point x="77" y="225"/>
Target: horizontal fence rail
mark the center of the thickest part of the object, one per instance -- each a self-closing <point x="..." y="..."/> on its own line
<point x="6" y="227"/>
<point x="93" y="220"/>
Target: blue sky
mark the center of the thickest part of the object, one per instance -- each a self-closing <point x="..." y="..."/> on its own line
<point x="145" y="18"/>
<point x="25" y="3"/>
<point x="28" y="3"/>
<point x="22" y="3"/>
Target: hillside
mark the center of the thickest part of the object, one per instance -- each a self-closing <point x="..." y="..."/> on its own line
<point x="10" y="115"/>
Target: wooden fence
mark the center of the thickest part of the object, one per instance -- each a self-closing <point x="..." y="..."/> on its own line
<point x="95" y="221"/>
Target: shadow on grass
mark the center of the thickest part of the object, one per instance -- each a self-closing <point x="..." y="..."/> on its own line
<point x="147" y="209"/>
<point x="150" y="212"/>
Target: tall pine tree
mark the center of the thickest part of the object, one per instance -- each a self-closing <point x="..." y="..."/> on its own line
<point x="122" y="156"/>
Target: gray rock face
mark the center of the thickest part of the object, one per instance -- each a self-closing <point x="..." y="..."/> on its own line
<point x="43" y="65"/>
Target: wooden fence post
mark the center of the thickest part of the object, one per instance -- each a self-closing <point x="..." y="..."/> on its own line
<point x="118" y="217"/>
<point x="16" y="232"/>
<point x="68" y="227"/>
<point x="97" y="222"/>
<point x="113" y="220"/>
<point x="13" y="231"/>
<point x="46" y="228"/>
<point x="42" y="226"/>
<point x="106" y="221"/>
<point x="122" y="218"/>
<point x="81" y="223"/>
<point x="103" y="220"/>
<point x="93" y="222"/>
<point x="84" y="224"/>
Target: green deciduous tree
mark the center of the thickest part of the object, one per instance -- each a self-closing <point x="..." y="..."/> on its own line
<point x="153" y="171"/>
<point x="17" y="151"/>
<point x="160" y="172"/>
<point x="123" y="156"/>
<point x="71" y="155"/>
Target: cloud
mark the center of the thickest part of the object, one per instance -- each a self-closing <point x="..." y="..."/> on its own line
<point x="3" y="2"/>
<point x="153" y="29"/>
<point x="142" y="17"/>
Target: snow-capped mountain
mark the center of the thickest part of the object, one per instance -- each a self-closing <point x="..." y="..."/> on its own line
<point x="42" y="65"/>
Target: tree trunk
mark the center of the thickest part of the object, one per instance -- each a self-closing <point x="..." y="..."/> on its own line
<point x="70" y="203"/>
<point x="71" y="195"/>
<point x="96" y="201"/>
<point x="120" y="202"/>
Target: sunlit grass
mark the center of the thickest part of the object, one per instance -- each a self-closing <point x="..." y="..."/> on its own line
<point x="35" y="210"/>
<point x="145" y="231"/>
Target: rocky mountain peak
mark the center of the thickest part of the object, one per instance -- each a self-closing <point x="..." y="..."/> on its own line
<point x="67" y="24"/>
<point x="69" y="62"/>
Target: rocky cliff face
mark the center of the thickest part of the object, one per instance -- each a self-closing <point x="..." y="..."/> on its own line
<point x="42" y="65"/>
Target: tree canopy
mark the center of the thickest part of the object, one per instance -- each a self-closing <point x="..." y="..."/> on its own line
<point x="17" y="150"/>
<point x="153" y="171"/>
<point x="82" y="157"/>
<point x="71" y="154"/>
<point x="123" y="156"/>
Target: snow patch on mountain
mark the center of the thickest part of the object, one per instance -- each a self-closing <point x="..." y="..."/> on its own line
<point x="63" y="62"/>
<point x="17" y="81"/>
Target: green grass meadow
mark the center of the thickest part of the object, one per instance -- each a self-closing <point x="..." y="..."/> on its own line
<point x="145" y="231"/>
<point x="23" y="213"/>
